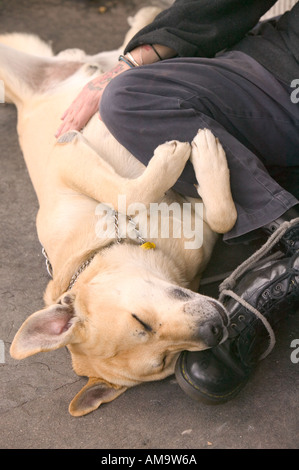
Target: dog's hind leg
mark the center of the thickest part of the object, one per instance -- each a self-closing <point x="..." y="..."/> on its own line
<point x="212" y="173"/>
<point x="85" y="171"/>
<point x="27" y="75"/>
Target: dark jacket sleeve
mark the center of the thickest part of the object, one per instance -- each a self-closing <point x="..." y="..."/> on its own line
<point x="202" y="27"/>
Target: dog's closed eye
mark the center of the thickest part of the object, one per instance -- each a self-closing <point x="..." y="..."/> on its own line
<point x="145" y="325"/>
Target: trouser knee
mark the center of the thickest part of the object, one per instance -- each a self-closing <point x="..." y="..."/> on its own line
<point x="115" y="100"/>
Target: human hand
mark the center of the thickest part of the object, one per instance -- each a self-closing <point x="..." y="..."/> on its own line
<point x="86" y="104"/>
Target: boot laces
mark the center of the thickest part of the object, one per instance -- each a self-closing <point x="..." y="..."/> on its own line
<point x="226" y="287"/>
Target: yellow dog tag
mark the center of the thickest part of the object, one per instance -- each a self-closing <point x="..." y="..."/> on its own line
<point x="148" y="246"/>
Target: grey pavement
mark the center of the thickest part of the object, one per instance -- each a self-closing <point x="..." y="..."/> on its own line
<point x="35" y="392"/>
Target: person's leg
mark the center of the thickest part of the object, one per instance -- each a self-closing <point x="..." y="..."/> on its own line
<point x="237" y="99"/>
<point x="253" y="117"/>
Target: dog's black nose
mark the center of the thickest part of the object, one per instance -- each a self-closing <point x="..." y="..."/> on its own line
<point x="211" y="332"/>
<point x="211" y="320"/>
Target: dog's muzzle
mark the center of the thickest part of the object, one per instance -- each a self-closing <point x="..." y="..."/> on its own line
<point x="214" y="329"/>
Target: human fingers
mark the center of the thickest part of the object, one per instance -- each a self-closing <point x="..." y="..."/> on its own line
<point x="65" y="127"/>
<point x="76" y="120"/>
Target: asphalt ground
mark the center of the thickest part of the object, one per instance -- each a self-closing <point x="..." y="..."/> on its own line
<point x="35" y="392"/>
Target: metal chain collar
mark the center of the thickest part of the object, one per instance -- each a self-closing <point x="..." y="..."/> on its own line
<point x="133" y="225"/>
<point x="83" y="266"/>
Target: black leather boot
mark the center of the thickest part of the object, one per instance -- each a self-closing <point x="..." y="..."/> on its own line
<point x="289" y="243"/>
<point x="272" y="288"/>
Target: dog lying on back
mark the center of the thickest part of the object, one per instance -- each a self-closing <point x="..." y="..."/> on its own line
<point x="125" y="305"/>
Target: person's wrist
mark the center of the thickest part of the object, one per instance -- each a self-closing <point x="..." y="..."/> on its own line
<point x="148" y="54"/>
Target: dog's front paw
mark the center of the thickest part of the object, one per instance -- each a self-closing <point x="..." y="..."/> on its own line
<point x="171" y="158"/>
<point x="164" y="169"/>
<point x="212" y="173"/>
<point x="207" y="154"/>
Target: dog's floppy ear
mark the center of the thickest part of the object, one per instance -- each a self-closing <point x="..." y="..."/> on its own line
<point x="48" y="329"/>
<point x="92" y="395"/>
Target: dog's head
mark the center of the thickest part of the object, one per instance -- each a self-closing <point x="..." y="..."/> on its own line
<point x="124" y="324"/>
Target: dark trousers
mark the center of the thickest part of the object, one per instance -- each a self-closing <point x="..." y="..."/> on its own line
<point x="250" y="112"/>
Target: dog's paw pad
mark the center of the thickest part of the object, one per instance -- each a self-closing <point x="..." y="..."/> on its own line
<point x="67" y="137"/>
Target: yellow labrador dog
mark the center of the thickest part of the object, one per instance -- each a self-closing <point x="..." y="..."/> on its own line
<point x="125" y="306"/>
